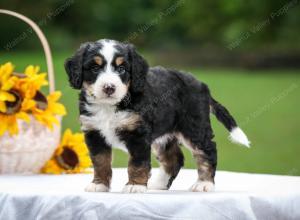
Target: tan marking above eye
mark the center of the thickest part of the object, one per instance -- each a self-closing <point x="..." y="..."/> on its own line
<point x="98" y="60"/>
<point x="119" y="61"/>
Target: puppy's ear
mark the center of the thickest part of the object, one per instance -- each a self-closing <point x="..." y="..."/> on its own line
<point x="139" y="68"/>
<point x="73" y="66"/>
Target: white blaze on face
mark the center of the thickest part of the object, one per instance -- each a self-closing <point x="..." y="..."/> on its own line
<point x="109" y="76"/>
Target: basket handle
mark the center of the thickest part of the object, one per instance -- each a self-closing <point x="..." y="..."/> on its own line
<point x="44" y="42"/>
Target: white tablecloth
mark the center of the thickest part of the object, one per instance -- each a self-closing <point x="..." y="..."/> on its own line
<point x="237" y="196"/>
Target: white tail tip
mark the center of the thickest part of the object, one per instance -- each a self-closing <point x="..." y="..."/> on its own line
<point x="239" y="137"/>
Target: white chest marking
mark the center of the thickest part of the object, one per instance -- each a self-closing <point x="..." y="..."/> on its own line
<point x="106" y="120"/>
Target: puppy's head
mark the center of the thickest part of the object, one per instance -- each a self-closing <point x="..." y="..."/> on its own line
<point x="107" y="70"/>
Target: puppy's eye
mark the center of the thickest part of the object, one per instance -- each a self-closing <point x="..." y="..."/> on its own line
<point x="121" y="69"/>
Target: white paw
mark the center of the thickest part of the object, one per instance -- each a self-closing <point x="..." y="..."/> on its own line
<point x="93" y="187"/>
<point x="134" y="189"/>
<point x="156" y="185"/>
<point x="202" y="186"/>
<point x="160" y="182"/>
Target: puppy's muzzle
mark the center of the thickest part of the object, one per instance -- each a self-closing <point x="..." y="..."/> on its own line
<point x="109" y="89"/>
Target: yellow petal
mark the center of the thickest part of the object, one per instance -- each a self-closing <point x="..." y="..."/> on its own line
<point x="54" y="96"/>
<point x="12" y="126"/>
<point x="24" y="116"/>
<point x="31" y="70"/>
<point x="3" y="125"/>
<point x="2" y="108"/>
<point x="67" y="135"/>
<point x="6" y="96"/>
<point x="6" y="70"/>
<point x="28" y="104"/>
<point x="59" y="109"/>
<point x="8" y="84"/>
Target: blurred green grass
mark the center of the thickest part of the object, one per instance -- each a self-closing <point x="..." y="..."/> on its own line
<point x="264" y="103"/>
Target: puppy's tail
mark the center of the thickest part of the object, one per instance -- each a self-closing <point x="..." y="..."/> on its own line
<point x="223" y="115"/>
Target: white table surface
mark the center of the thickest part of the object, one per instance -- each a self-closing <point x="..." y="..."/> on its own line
<point x="237" y="196"/>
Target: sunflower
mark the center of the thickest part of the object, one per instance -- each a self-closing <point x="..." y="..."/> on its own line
<point x="45" y="111"/>
<point x="20" y="95"/>
<point x="7" y="82"/>
<point x="31" y="82"/>
<point x="9" y="122"/>
<point x="71" y="156"/>
<point x="12" y="104"/>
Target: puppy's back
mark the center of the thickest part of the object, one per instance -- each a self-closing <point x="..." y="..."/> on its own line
<point x="165" y="79"/>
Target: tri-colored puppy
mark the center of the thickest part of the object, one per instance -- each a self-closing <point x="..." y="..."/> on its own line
<point x="125" y="104"/>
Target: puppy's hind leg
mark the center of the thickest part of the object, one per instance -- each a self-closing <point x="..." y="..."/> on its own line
<point x="197" y="135"/>
<point x="205" y="155"/>
<point x="171" y="159"/>
<point x="206" y="165"/>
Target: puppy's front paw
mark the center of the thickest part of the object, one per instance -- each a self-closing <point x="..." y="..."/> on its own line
<point x="160" y="182"/>
<point x="157" y="186"/>
<point x="134" y="189"/>
<point x="93" y="187"/>
<point x="202" y="186"/>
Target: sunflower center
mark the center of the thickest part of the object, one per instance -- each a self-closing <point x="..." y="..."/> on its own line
<point x="68" y="159"/>
<point x="40" y="100"/>
<point x="13" y="107"/>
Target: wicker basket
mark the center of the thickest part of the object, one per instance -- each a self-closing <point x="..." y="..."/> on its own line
<point x="28" y="151"/>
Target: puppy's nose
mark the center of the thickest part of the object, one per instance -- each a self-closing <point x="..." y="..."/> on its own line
<point x="109" y="89"/>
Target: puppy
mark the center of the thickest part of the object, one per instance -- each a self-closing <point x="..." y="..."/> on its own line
<point x="125" y="104"/>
